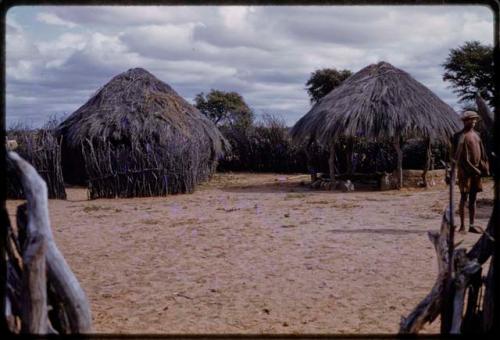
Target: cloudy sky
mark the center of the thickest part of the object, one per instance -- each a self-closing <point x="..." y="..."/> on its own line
<point x="57" y="57"/>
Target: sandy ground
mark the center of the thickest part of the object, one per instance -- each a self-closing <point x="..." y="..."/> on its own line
<point x="251" y="253"/>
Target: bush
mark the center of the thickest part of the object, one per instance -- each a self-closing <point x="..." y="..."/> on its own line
<point x="263" y="147"/>
<point x="267" y="147"/>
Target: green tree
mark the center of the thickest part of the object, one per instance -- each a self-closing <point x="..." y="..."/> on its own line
<point x="225" y="108"/>
<point x="323" y="81"/>
<point x="469" y="68"/>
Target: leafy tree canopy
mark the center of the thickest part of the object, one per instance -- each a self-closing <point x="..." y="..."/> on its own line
<point x="225" y="108"/>
<point x="323" y="81"/>
<point x="469" y="68"/>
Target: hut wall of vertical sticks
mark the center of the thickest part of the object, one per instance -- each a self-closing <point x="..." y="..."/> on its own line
<point x="137" y="137"/>
<point x="382" y="103"/>
<point x="43" y="150"/>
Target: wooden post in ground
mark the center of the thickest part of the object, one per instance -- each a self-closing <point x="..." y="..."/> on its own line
<point x="428" y="159"/>
<point x="349" y="153"/>
<point x="399" y="152"/>
<point x="448" y="291"/>
<point x="34" y="317"/>
<point x="310" y="165"/>
<point x="331" y="163"/>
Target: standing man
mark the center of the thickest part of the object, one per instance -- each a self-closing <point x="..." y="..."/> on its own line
<point x="471" y="161"/>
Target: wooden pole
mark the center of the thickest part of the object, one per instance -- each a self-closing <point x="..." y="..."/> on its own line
<point x="310" y="165"/>
<point x="399" y="152"/>
<point x="349" y="153"/>
<point x="34" y="317"/>
<point x="428" y="158"/>
<point x="331" y="162"/>
<point x="447" y="307"/>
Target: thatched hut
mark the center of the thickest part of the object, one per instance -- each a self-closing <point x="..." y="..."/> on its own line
<point x="380" y="102"/>
<point x="137" y="137"/>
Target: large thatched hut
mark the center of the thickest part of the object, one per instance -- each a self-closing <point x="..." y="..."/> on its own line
<point x="380" y="102"/>
<point x="137" y="137"/>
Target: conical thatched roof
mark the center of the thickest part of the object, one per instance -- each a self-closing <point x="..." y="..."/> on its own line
<point x="382" y="102"/>
<point x="136" y="133"/>
<point x="136" y="103"/>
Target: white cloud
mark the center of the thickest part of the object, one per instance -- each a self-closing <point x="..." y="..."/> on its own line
<point x="264" y="53"/>
<point x="53" y="19"/>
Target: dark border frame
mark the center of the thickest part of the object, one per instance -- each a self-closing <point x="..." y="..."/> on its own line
<point x="494" y="5"/>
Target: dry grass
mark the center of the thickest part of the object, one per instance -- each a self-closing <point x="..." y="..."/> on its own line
<point x="152" y="143"/>
<point x="381" y="102"/>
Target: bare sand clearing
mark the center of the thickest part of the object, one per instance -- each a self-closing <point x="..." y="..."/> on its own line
<point x="253" y="253"/>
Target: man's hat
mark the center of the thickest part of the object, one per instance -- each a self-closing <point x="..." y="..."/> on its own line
<point x="470" y="115"/>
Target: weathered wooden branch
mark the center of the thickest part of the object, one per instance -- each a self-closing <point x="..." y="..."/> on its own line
<point x="488" y="302"/>
<point x="71" y="295"/>
<point x="483" y="248"/>
<point x="464" y="275"/>
<point x="34" y="297"/>
<point x="59" y="276"/>
<point x="430" y="307"/>
<point x="449" y="289"/>
<point x="34" y="319"/>
<point x="470" y="323"/>
<point x="464" y="270"/>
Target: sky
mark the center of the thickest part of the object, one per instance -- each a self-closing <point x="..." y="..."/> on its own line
<point x="57" y="57"/>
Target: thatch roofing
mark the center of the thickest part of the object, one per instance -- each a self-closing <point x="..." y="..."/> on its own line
<point x="137" y="137"/>
<point x="134" y="104"/>
<point x="381" y="102"/>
